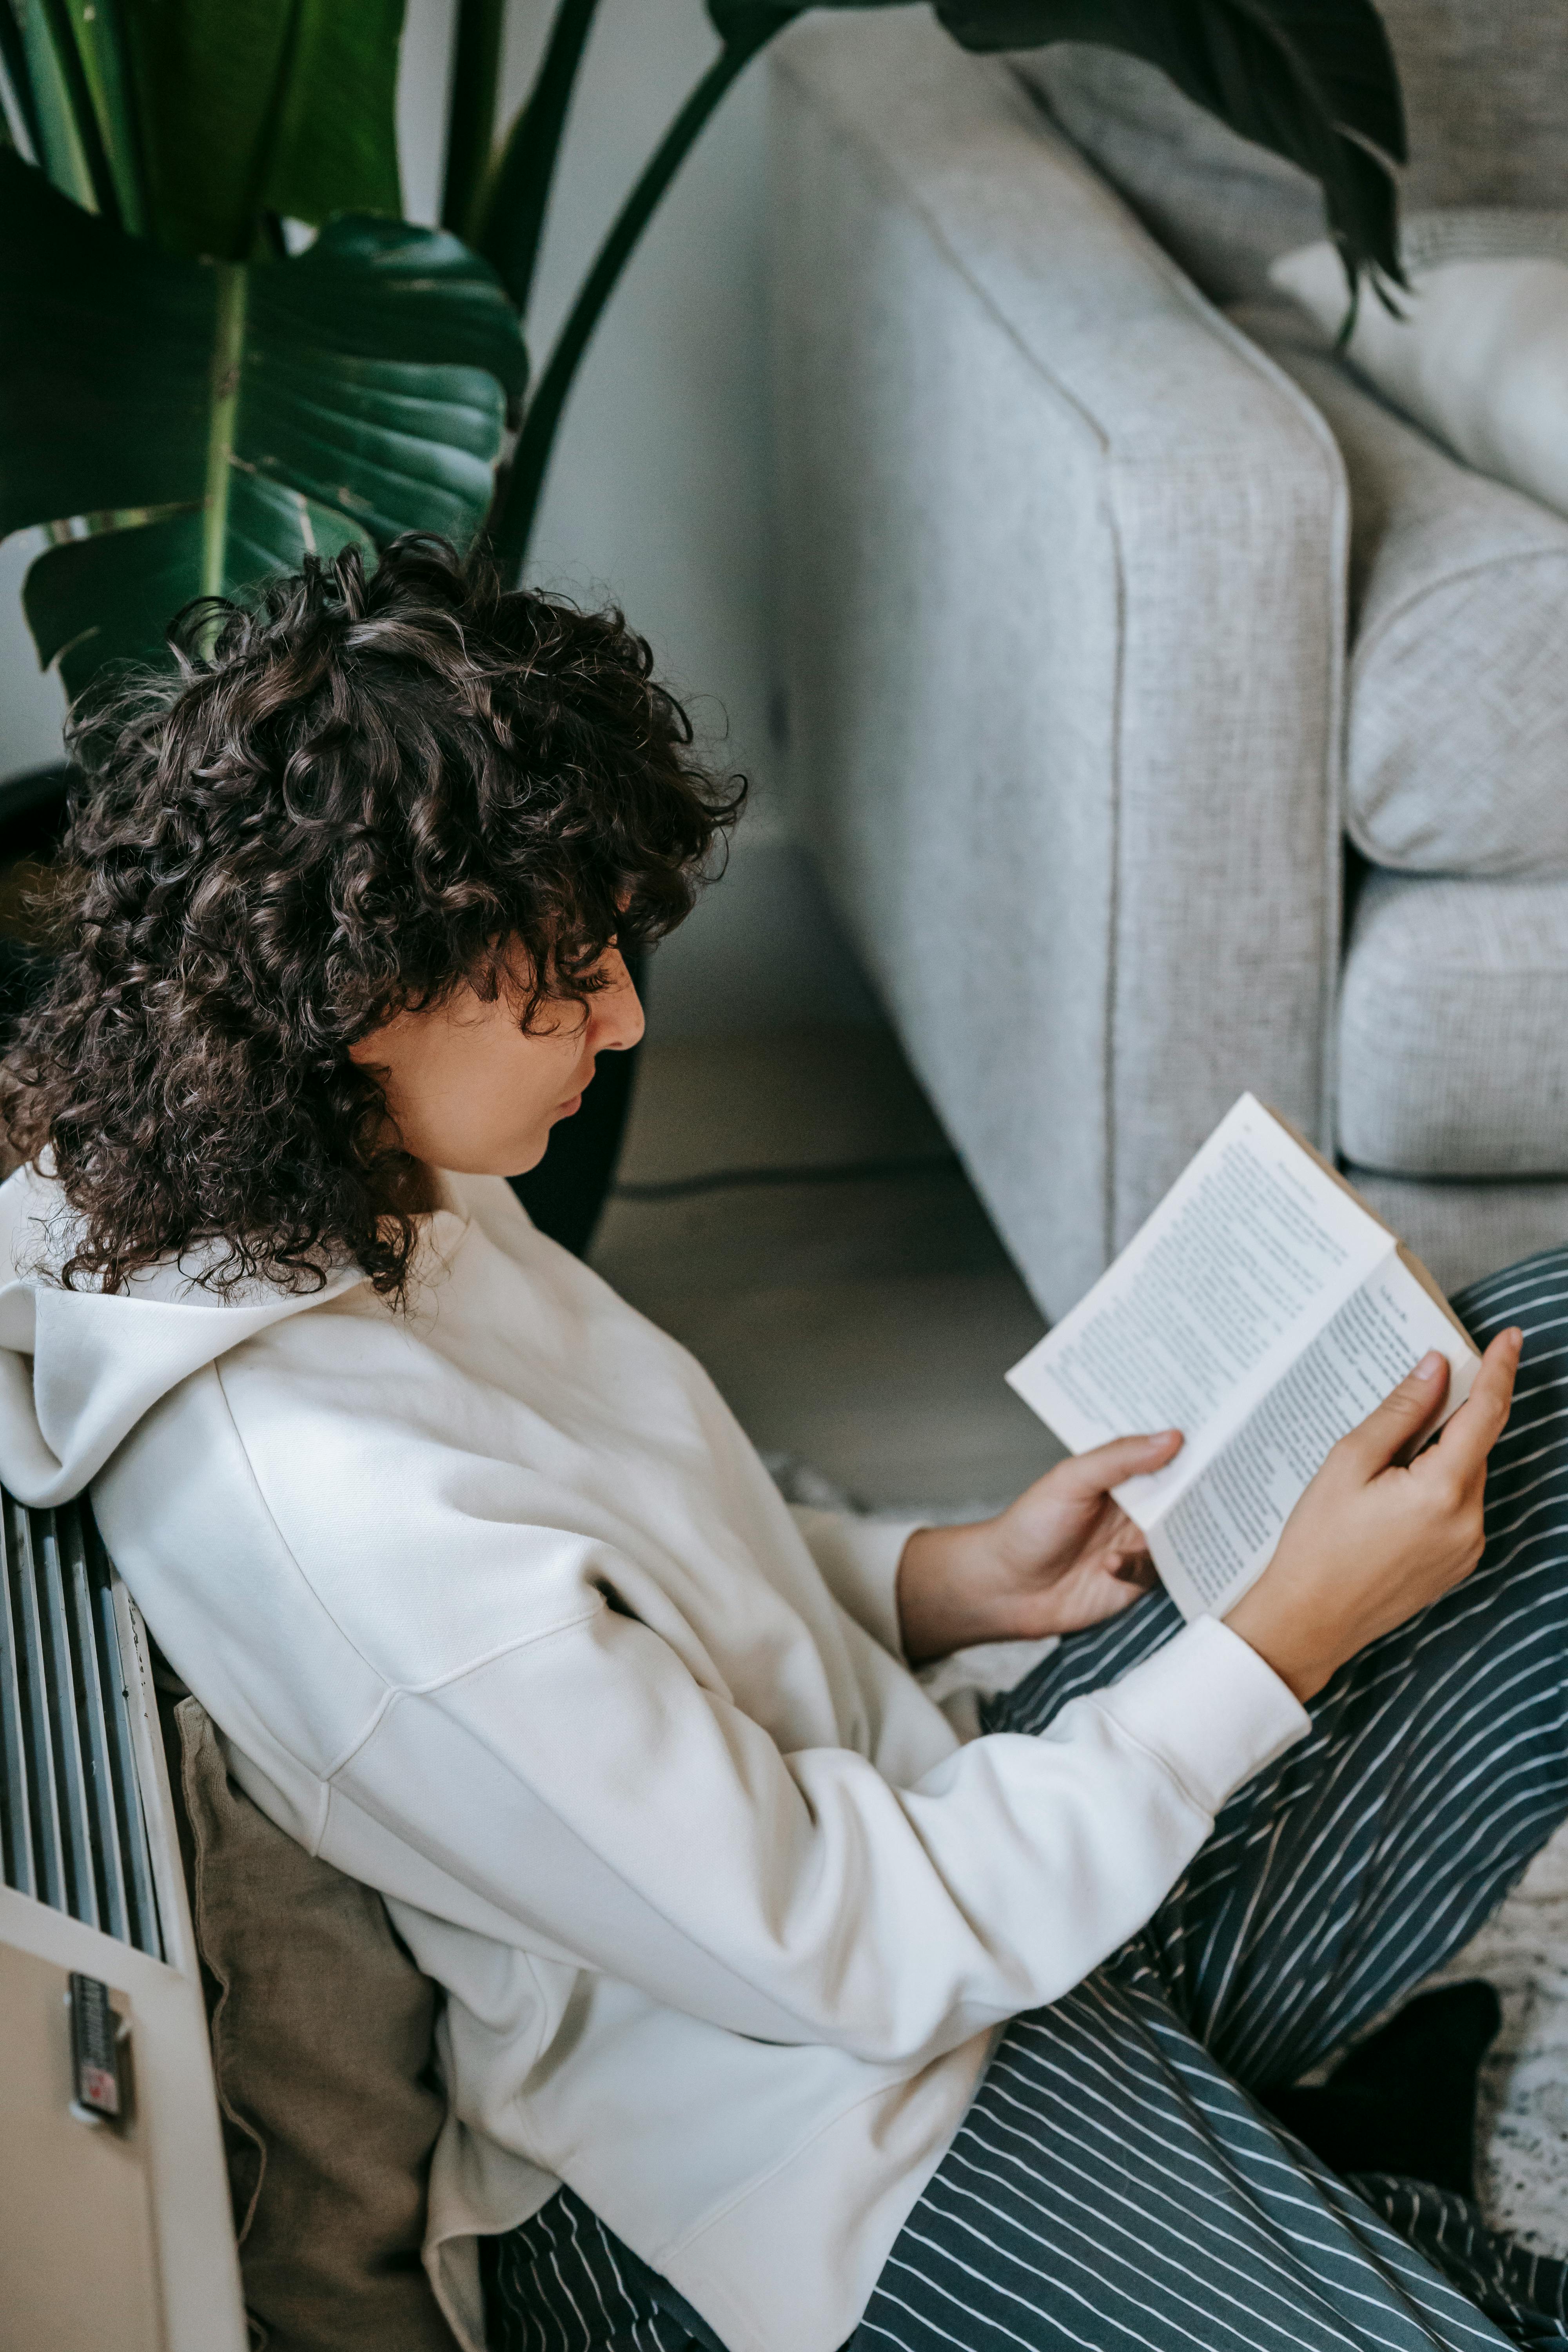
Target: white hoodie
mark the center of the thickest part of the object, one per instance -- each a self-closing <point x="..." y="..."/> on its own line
<point x="497" y="1610"/>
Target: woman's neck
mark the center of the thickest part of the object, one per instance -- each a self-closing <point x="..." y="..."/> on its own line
<point x="416" y="1190"/>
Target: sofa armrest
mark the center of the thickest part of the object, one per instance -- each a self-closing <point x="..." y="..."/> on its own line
<point x="1064" y="563"/>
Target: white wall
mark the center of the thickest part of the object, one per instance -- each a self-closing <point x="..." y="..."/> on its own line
<point x="660" y="493"/>
<point x="660" y="496"/>
<point x="32" y="704"/>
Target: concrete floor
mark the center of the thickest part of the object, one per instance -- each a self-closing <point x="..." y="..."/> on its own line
<point x="841" y="1283"/>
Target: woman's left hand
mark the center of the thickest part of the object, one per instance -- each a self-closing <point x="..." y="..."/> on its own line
<point x="1065" y="1554"/>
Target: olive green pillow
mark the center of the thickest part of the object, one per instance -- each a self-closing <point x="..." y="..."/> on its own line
<point x="322" y="2030"/>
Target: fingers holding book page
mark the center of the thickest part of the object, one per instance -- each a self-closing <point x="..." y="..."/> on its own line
<point x="1264" y="1311"/>
<point x="1373" y="1539"/>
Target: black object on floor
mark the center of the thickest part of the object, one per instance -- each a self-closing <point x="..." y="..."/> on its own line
<point x="33" y="809"/>
<point x="1405" y="2100"/>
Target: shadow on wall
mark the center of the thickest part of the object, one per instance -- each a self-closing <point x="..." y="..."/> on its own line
<point x="763" y="950"/>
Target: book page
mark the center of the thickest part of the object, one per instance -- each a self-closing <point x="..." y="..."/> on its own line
<point x="1247" y="1257"/>
<point x="1219" y="1536"/>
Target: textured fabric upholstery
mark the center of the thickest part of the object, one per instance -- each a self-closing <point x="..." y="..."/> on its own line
<point x="1062" y="564"/>
<point x="1063" y="610"/>
<point x="1485" y="100"/>
<point x="1463" y="1231"/>
<point x="1486" y="92"/>
<point x="1457" y="748"/>
<point x="1223" y="207"/>
<point x="1477" y="355"/>
<point x="1453" y="1017"/>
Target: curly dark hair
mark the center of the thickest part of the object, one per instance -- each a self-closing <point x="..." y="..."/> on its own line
<point x="347" y="798"/>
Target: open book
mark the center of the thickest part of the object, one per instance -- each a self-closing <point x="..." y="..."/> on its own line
<point x="1263" y="1310"/>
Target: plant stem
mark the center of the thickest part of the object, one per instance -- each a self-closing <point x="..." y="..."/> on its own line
<point x="509" y="227"/>
<point x="229" y="345"/>
<point x="517" y="507"/>
<point x="471" y="111"/>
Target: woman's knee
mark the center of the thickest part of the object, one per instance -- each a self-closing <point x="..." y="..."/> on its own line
<point x="1533" y="1294"/>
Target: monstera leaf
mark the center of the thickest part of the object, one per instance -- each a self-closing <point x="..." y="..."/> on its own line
<point x="188" y="427"/>
<point x="1314" y="81"/>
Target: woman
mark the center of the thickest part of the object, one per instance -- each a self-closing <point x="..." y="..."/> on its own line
<point x="832" y="2025"/>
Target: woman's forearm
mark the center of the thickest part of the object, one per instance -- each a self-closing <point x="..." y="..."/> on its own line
<point x="952" y="1592"/>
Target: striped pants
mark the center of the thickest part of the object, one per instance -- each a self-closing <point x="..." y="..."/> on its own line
<point x="1113" y="2185"/>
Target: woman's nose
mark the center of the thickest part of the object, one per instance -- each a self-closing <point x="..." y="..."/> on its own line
<point x="617" y="1013"/>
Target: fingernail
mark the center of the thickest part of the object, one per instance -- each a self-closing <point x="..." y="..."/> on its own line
<point x="1430" y="1363"/>
<point x="1164" y="1437"/>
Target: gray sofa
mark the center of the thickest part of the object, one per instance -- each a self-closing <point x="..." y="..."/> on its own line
<point x="1110" y="602"/>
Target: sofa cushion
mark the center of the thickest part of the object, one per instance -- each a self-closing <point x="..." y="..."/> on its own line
<point x="1454" y="1027"/>
<point x="1457" y="737"/>
<point x="1461" y="1231"/>
<point x="1486" y="94"/>
<point x="1477" y="349"/>
<point x="1225" y="208"/>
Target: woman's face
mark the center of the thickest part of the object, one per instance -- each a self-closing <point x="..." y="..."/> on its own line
<point x="471" y="1089"/>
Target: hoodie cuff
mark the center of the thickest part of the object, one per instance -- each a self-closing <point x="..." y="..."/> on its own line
<point x="859" y="1563"/>
<point x="1209" y="1708"/>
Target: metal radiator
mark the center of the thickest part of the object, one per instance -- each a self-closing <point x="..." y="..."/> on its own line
<point x="114" y="2221"/>
<point x="72" y="1831"/>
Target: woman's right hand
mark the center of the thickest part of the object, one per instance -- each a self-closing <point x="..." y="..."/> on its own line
<point x="1370" y="1542"/>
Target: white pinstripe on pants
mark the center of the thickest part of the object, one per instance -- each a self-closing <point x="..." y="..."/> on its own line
<point x="1114" y="2185"/>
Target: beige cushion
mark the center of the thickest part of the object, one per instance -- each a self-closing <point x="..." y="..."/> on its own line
<point x="1454" y="1028"/>
<point x="1456" y="734"/>
<point x="1478" y="351"/>
<point x="321" y="2045"/>
<point x="1485" y="93"/>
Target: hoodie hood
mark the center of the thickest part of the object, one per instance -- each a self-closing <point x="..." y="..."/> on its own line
<point x="78" y="1368"/>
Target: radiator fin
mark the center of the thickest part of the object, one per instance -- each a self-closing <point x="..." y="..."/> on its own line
<point x="72" y="1832"/>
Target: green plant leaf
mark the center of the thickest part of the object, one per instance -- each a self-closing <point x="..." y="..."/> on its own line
<point x="58" y="141"/>
<point x="746" y="20"/>
<point x="106" y="597"/>
<point x="187" y="426"/>
<point x="471" y="110"/>
<point x="1313" y="80"/>
<point x="98" y="28"/>
<point x="756" y="21"/>
<point x="254" y="106"/>
<point x="19" y="81"/>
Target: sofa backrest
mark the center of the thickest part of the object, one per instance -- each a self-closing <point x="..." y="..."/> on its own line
<point x="1486" y="94"/>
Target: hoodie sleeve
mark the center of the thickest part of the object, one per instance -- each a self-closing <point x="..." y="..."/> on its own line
<point x="626" y="1818"/>
<point x="859" y="1563"/>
